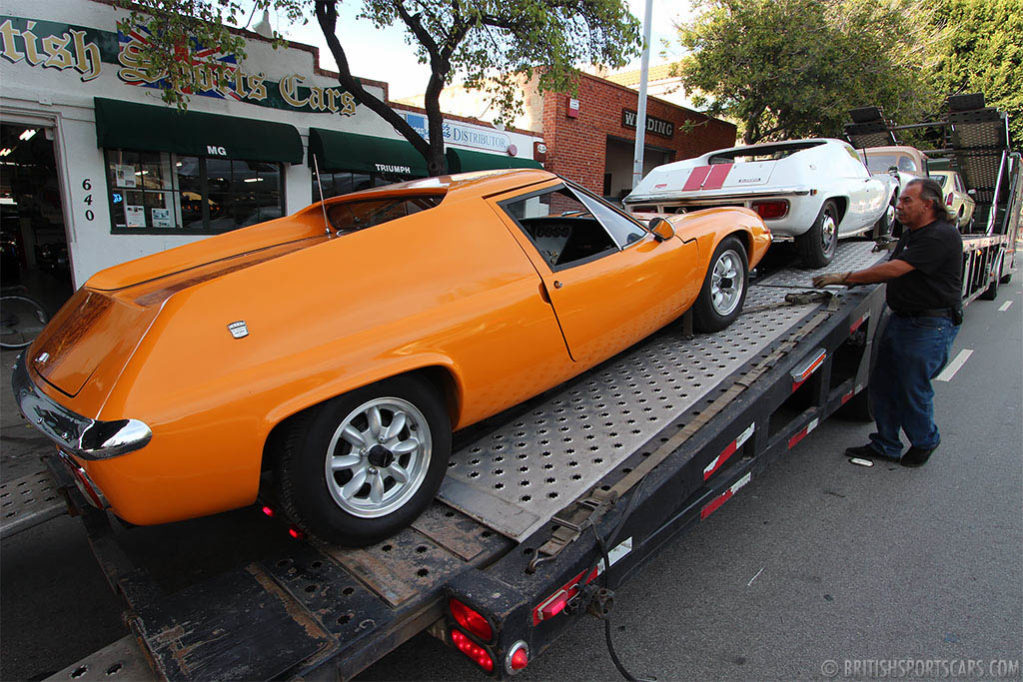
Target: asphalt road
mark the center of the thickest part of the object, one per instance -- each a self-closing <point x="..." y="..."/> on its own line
<point x="815" y="568"/>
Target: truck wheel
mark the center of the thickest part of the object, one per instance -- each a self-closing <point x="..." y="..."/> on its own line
<point x="858" y="409"/>
<point x="817" y="245"/>
<point x="883" y="226"/>
<point x="362" y="466"/>
<point x="724" y="288"/>
<point x="992" y="291"/>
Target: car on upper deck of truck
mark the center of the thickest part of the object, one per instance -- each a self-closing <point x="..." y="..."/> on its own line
<point x="813" y="191"/>
<point x="338" y="348"/>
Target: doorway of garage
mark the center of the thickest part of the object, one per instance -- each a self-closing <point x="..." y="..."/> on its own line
<point x="34" y="244"/>
<point x="618" y="165"/>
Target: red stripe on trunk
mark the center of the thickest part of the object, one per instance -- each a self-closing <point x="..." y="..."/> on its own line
<point x="717" y="176"/>
<point x="696" y="178"/>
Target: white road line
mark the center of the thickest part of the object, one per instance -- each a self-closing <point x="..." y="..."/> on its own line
<point x="954" y="366"/>
<point x="754" y="577"/>
<point x="1005" y="306"/>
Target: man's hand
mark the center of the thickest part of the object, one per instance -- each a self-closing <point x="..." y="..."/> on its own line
<point x="830" y="278"/>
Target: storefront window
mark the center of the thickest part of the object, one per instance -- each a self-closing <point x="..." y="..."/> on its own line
<point x="158" y="191"/>
<point x="336" y="184"/>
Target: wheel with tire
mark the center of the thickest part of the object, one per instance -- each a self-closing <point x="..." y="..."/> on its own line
<point x="992" y="291"/>
<point x="817" y="245"/>
<point x="724" y="287"/>
<point x="883" y="226"/>
<point x="364" y="465"/>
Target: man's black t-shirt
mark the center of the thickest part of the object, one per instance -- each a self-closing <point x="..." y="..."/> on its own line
<point x="936" y="253"/>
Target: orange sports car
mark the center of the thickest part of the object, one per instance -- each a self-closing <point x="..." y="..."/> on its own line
<point x="341" y="346"/>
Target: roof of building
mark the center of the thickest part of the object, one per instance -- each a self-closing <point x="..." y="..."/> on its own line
<point x="659" y="72"/>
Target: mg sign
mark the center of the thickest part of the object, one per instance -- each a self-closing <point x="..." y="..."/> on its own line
<point x="214" y="150"/>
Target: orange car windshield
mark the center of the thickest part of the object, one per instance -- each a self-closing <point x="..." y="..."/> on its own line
<point x="358" y="215"/>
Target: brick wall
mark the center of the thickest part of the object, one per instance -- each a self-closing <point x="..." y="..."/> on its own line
<point x="576" y="146"/>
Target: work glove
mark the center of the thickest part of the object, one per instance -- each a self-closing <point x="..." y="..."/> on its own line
<point x="830" y="278"/>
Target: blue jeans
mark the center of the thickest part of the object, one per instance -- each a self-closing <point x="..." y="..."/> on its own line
<point x="913" y="350"/>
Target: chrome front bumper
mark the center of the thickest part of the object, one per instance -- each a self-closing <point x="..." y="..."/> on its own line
<point x="80" y="436"/>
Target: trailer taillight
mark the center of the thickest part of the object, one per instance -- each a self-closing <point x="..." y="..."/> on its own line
<point x="268" y="511"/>
<point x="472" y="650"/>
<point x="296" y="533"/>
<point x="471" y="620"/>
<point x="517" y="658"/>
<point x="771" y="210"/>
<point x="557" y="602"/>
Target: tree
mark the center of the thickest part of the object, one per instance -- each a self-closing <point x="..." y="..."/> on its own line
<point x="787" y="69"/>
<point x="984" y="53"/>
<point x="487" y="42"/>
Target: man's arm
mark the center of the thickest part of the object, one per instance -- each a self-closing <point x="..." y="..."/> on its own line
<point x="882" y="272"/>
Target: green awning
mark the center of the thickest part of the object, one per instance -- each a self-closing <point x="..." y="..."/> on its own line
<point x="463" y="161"/>
<point x="336" y="151"/>
<point x="127" y="125"/>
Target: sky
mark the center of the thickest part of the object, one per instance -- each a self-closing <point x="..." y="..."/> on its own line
<point x="383" y="55"/>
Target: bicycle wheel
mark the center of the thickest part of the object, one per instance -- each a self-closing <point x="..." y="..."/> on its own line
<point x="21" y="320"/>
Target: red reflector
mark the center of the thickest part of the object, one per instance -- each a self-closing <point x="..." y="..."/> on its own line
<point x="471" y="620"/>
<point x="555" y="605"/>
<point x="268" y="511"/>
<point x="472" y="650"/>
<point x="296" y="533"/>
<point x="519" y="660"/>
<point x="771" y="209"/>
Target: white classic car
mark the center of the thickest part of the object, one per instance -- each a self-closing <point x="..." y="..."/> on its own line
<point x="958" y="200"/>
<point x="811" y="191"/>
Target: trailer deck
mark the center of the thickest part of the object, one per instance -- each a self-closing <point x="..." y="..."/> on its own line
<point x="289" y="608"/>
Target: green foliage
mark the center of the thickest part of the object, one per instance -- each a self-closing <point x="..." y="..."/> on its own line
<point x="788" y="69"/>
<point x="491" y="44"/>
<point x="984" y="53"/>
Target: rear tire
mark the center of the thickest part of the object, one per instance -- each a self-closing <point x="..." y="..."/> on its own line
<point x="992" y="291"/>
<point x="817" y="245"/>
<point x="364" y="465"/>
<point x="724" y="288"/>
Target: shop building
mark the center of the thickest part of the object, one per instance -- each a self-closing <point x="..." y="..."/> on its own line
<point x="590" y="137"/>
<point x="97" y="169"/>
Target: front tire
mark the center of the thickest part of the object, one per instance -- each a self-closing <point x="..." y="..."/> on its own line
<point x="817" y="245"/>
<point x="724" y="288"/>
<point x="883" y="226"/>
<point x="364" y="465"/>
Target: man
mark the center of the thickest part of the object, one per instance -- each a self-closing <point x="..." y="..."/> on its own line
<point x="924" y="276"/>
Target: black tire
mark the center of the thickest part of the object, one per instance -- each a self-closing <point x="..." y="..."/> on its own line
<point x="1006" y="276"/>
<point x="883" y="226"/>
<point x="720" y="301"/>
<point x="859" y="408"/>
<point x="817" y="245"/>
<point x="991" y="293"/>
<point x="321" y="506"/>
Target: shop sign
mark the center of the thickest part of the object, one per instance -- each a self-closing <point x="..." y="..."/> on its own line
<point x="460" y="134"/>
<point x="49" y="44"/>
<point x="657" y="126"/>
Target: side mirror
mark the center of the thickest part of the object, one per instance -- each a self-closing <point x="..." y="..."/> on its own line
<point x="893" y="170"/>
<point x="972" y="192"/>
<point x="662" y="229"/>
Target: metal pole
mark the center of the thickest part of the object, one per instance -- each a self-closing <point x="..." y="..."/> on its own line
<point x="644" y="69"/>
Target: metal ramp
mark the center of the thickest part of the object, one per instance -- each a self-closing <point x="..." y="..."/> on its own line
<point x="516" y="478"/>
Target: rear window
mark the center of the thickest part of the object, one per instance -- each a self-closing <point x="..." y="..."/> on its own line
<point x="352" y="216"/>
<point x="766" y="153"/>
<point x="942" y="180"/>
<point x="880" y="163"/>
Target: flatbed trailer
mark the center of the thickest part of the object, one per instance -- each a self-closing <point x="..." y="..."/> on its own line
<point x="545" y="511"/>
<point x="537" y="503"/>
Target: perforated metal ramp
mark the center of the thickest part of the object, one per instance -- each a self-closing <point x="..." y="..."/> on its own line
<point x="517" y="477"/>
<point x="28" y="501"/>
